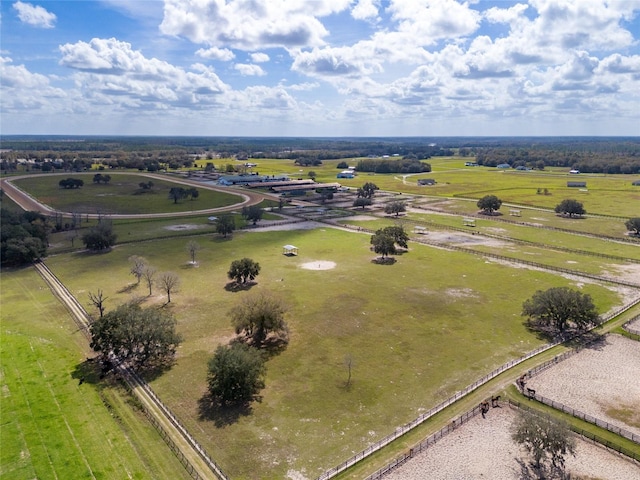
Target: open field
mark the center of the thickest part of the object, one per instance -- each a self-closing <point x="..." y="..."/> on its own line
<point x="427" y="326"/>
<point x="51" y="426"/>
<point x="482" y="448"/>
<point x="121" y="195"/>
<point x="417" y="331"/>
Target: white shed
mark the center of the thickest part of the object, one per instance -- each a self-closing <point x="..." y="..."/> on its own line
<point x="290" y="250"/>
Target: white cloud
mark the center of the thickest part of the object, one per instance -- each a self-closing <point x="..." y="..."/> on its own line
<point x="259" y="57"/>
<point x="215" y="53"/>
<point x="250" y="25"/>
<point x="22" y="89"/>
<point x="109" y="68"/>
<point x="34" y="15"/>
<point x="366" y="10"/>
<point x="248" y="69"/>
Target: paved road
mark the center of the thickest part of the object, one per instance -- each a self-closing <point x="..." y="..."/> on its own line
<point x="29" y="203"/>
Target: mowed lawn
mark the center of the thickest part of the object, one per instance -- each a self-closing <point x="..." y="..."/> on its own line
<point x="51" y="427"/>
<point x="416" y="332"/>
<point x="122" y="195"/>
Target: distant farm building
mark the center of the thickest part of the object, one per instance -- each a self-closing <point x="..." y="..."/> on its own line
<point x="515" y="213"/>
<point x="468" y="222"/>
<point x="503" y="165"/>
<point x="470" y="164"/>
<point x="636" y="183"/>
<point x="426" y="181"/>
<point x="577" y="184"/>
<point x="574" y="172"/>
<point x="346" y="174"/>
<point x="241" y="179"/>
<point x="303" y="189"/>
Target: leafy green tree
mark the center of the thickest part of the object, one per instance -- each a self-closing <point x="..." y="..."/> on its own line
<point x="367" y="190"/>
<point x="342" y="165"/>
<point x="383" y="244"/>
<point x="100" y="237"/>
<point x="489" y="204"/>
<point x="177" y="193"/>
<point x="144" y="338"/>
<point x="633" y="225"/>
<point x="225" y="225"/>
<point x="70" y="183"/>
<point x="397" y="232"/>
<point x="259" y="315"/>
<point x="362" y="202"/>
<point x="548" y="443"/>
<point x="24" y="237"/>
<point x="252" y="213"/>
<point x="312" y="175"/>
<point x="236" y="374"/>
<point x="395" y="207"/>
<point x="193" y="193"/>
<point x="559" y="308"/>
<point x="570" y="207"/>
<point x="243" y="270"/>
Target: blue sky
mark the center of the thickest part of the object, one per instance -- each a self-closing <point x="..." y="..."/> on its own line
<point x="320" y="67"/>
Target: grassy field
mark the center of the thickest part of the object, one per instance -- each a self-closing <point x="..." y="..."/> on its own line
<point x="417" y="332"/>
<point x="122" y="195"/>
<point x="52" y="427"/>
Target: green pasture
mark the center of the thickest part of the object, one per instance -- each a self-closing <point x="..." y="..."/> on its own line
<point x="52" y="427"/>
<point x="606" y="194"/>
<point x="120" y="196"/>
<point x="542" y="238"/>
<point x="417" y="331"/>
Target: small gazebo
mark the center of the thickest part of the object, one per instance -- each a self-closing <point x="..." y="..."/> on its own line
<point x="290" y="250"/>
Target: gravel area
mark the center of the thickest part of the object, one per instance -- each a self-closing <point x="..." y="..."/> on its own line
<point x="635" y="325"/>
<point x="603" y="382"/>
<point x="482" y="448"/>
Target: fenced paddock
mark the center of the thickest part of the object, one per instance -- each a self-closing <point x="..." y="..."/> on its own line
<point x="482" y="448"/>
<point x="601" y="381"/>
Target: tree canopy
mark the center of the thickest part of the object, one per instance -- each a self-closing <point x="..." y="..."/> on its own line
<point x="367" y="190"/>
<point x="225" y="225"/>
<point x="252" y="213"/>
<point x="101" y="236"/>
<point x="547" y="441"/>
<point x="383" y="244"/>
<point x="259" y="315"/>
<point x="236" y="374"/>
<point x="70" y="183"/>
<point x="633" y="225"/>
<point x="570" y="207"/>
<point x="243" y="270"/>
<point x="24" y="237"/>
<point x="395" y="207"/>
<point x="146" y="338"/>
<point x="557" y="309"/>
<point x="178" y="193"/>
<point x="397" y="233"/>
<point x="489" y="204"/>
<point x="362" y="202"/>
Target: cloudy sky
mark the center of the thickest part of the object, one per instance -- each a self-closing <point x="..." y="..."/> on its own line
<point x="320" y="67"/>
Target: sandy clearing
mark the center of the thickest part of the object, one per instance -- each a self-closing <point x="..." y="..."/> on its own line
<point x="319" y="265"/>
<point x="183" y="226"/>
<point x="308" y="225"/>
<point x="482" y="448"/>
<point x="597" y="380"/>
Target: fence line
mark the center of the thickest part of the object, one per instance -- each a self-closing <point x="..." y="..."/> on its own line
<point x="428" y="442"/>
<point x="631" y="329"/>
<point x="587" y="418"/>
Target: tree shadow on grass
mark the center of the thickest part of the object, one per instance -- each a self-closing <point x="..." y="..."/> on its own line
<point x="384" y="260"/>
<point x="221" y="415"/>
<point x="129" y="288"/>
<point x="239" y="287"/>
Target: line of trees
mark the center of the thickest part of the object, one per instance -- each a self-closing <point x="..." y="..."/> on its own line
<point x="24" y="237"/>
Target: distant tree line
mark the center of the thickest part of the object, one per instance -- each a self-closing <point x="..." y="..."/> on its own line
<point x="619" y="160"/>
<point x="387" y="165"/>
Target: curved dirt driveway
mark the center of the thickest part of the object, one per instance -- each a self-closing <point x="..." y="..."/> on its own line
<point x="29" y="203"/>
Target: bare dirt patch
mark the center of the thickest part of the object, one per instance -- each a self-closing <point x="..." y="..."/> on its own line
<point x="482" y="448"/>
<point x="601" y="381"/>
<point x="464" y="239"/>
<point x="319" y="265"/>
<point x="182" y="227"/>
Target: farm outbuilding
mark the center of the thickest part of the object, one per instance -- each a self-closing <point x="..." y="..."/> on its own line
<point x="577" y="184"/>
<point x="290" y="250"/>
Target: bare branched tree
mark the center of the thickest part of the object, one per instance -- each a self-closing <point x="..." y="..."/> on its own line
<point x="149" y="274"/>
<point x="138" y="264"/>
<point x="168" y="282"/>
<point x="98" y="300"/>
